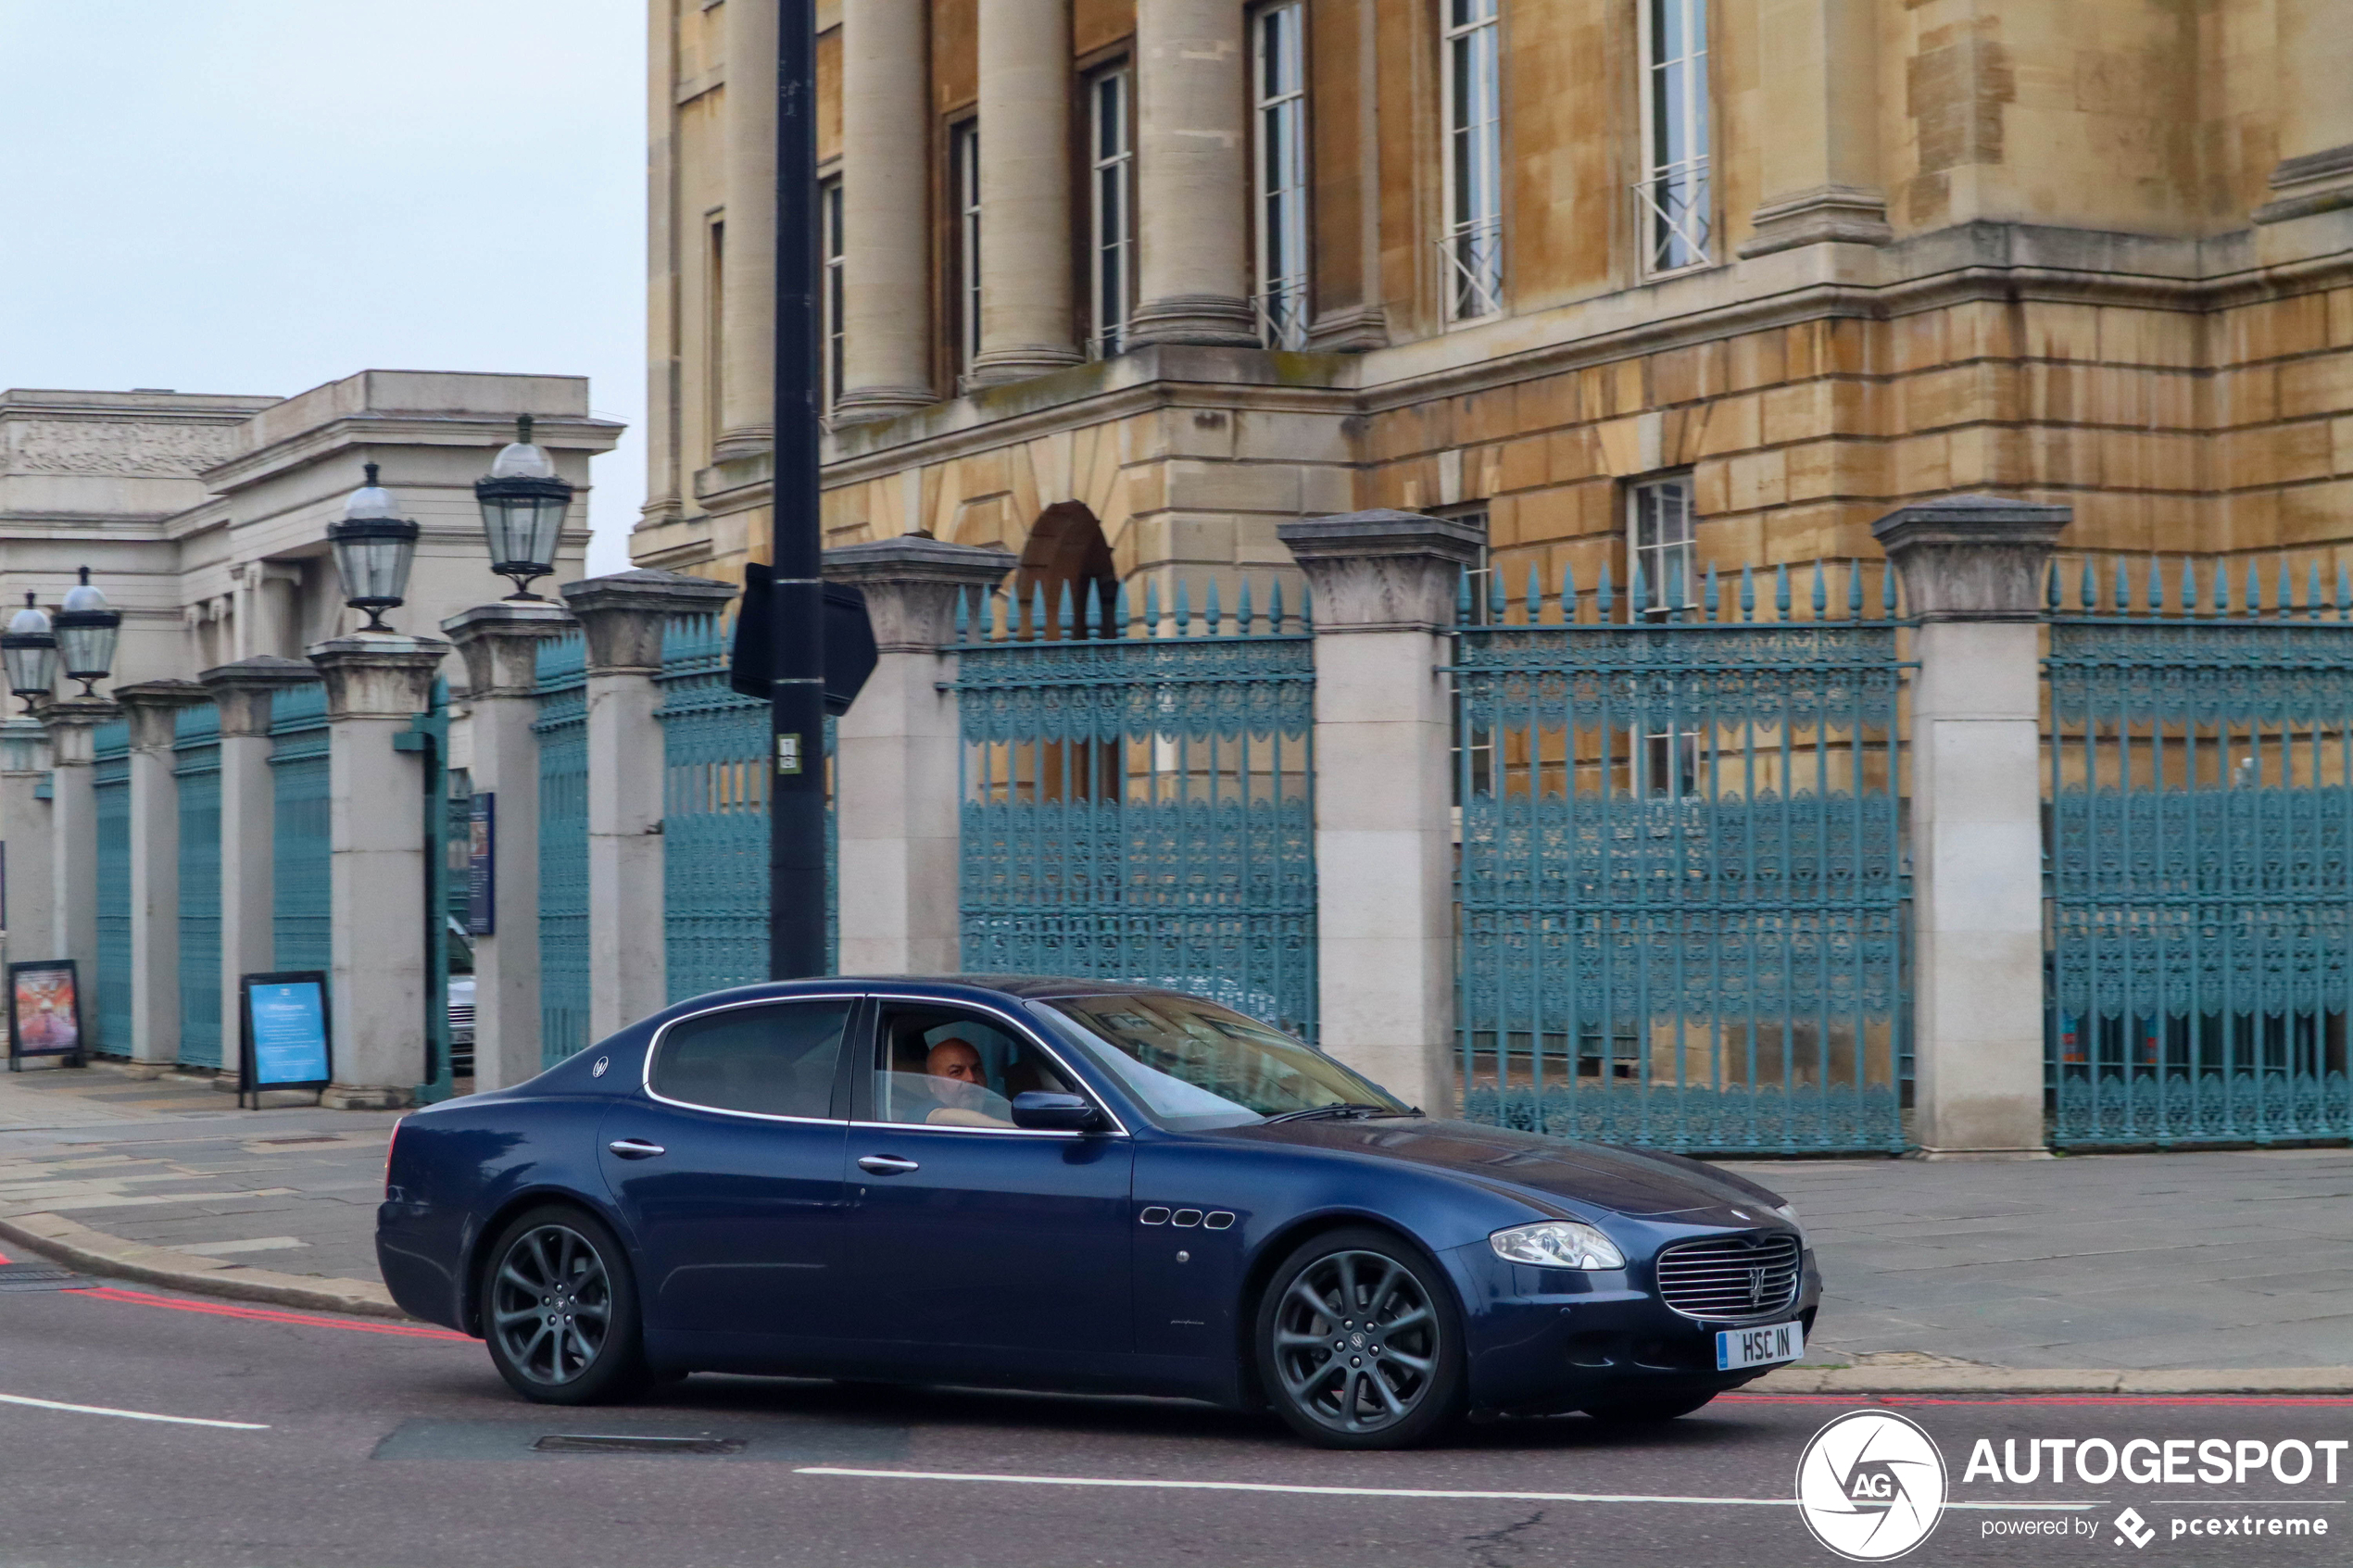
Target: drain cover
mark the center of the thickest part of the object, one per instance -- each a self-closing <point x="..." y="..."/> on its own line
<point x="593" y="1443"/>
<point x="40" y="1276"/>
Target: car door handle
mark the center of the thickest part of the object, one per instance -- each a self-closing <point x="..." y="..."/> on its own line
<point x="635" y="1148"/>
<point x="885" y="1164"/>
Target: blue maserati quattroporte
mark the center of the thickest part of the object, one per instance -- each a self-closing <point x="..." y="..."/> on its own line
<point x="1070" y="1184"/>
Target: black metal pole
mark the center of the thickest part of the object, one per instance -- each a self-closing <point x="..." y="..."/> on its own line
<point x="797" y="797"/>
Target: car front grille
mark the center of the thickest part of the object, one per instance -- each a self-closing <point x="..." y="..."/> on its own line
<point x="1730" y="1277"/>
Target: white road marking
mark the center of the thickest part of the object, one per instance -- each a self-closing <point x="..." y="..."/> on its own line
<point x="133" y="1415"/>
<point x="1371" y="1491"/>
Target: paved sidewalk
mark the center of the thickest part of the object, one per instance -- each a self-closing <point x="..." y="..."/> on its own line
<point x="1937" y="1273"/>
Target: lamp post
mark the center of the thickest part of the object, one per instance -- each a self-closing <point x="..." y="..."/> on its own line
<point x="87" y="628"/>
<point x="524" y="506"/>
<point x="373" y="546"/>
<point x="28" y="648"/>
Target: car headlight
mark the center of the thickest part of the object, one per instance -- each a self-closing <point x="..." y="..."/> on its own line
<point x="1557" y="1244"/>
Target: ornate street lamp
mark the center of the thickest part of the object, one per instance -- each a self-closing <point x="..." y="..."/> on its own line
<point x="28" y="648"/>
<point x="523" y="505"/>
<point x="373" y="546"/>
<point x="87" y="628"/>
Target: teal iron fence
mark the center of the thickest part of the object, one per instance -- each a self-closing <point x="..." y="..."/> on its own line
<point x="562" y="729"/>
<point x="301" y="907"/>
<point x="196" y="768"/>
<point x="2200" y="853"/>
<point x="110" y="780"/>
<point x="715" y="819"/>
<point x="1683" y="914"/>
<point x="1139" y="795"/>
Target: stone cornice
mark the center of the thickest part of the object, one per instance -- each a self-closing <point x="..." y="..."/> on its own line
<point x="557" y="431"/>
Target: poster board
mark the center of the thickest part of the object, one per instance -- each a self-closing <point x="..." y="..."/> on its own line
<point x="482" y="865"/>
<point x="284" y="1037"/>
<point x="44" y="1011"/>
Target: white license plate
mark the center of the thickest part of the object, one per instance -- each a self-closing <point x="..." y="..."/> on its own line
<point x="1738" y="1348"/>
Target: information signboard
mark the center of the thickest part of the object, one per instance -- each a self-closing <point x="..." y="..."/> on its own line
<point x="285" y="1034"/>
<point x="44" y="1011"/>
<point x="481" y="874"/>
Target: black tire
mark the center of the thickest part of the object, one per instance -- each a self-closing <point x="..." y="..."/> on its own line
<point x="1648" y="1410"/>
<point x="579" y="1342"/>
<point x="1393" y="1374"/>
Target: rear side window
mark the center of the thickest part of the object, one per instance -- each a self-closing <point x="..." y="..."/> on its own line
<point x="777" y="1060"/>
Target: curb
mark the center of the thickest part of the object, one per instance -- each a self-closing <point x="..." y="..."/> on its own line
<point x="64" y="1241"/>
<point x="1863" y="1381"/>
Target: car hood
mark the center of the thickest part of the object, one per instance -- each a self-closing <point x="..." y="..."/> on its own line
<point x="1632" y="1182"/>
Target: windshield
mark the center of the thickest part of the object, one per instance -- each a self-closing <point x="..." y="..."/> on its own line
<point x="1195" y="1064"/>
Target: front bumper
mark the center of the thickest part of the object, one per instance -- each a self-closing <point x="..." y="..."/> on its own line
<point x="1546" y="1340"/>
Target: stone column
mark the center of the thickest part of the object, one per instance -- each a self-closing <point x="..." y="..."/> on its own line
<point x="1193" y="174"/>
<point x="153" y="707"/>
<point x="243" y="691"/>
<point x="885" y="207"/>
<point x="621" y="618"/>
<point x="2315" y="111"/>
<point x="746" y="347"/>
<point x="1385" y="585"/>
<point x="1820" y="168"/>
<point x="73" y="845"/>
<point x="897" y="790"/>
<point x="377" y="683"/>
<point x="25" y="835"/>
<point x="500" y="644"/>
<point x="1972" y="568"/>
<point x="1026" y="323"/>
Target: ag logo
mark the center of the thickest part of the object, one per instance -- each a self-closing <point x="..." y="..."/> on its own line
<point x="1870" y="1485"/>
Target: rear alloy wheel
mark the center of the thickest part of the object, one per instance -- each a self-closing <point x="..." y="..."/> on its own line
<point x="1358" y="1343"/>
<point x="560" y="1311"/>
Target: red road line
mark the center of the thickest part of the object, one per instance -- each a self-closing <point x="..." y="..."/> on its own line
<point x="2035" y="1399"/>
<point x="265" y="1314"/>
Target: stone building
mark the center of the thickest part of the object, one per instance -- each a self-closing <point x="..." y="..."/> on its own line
<point x="1691" y="280"/>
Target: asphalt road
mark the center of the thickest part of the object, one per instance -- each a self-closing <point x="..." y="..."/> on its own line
<point x="374" y="1443"/>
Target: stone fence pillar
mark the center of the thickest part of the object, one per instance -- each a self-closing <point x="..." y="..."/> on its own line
<point x="500" y="645"/>
<point x="243" y="691"/>
<point x="1972" y="568"/>
<point x="154" y="707"/>
<point x="25" y="839"/>
<point x="897" y="788"/>
<point x="621" y="618"/>
<point x="377" y="683"/>
<point x="73" y="844"/>
<point x="1385" y="584"/>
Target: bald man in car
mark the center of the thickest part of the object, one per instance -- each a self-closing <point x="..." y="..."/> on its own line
<point x="957" y="1060"/>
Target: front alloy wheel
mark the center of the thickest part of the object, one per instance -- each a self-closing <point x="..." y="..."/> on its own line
<point x="1357" y="1343"/>
<point x="559" y="1312"/>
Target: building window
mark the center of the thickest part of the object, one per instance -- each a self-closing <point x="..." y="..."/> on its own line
<point x="1280" y="94"/>
<point x="714" y="335"/>
<point x="1659" y="543"/>
<point x="1474" y="240"/>
<point x="1111" y="239"/>
<point x="829" y="299"/>
<point x="1672" y="204"/>
<point x="963" y="172"/>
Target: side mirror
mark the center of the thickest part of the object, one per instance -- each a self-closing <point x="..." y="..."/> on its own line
<point x="1043" y="1112"/>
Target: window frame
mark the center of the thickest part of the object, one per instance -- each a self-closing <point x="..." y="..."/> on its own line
<point x="1110" y="318"/>
<point x="1671" y="751"/>
<point x="1279" y="125"/>
<point x="1465" y="229"/>
<point x="832" y="330"/>
<point x="965" y="282"/>
<point x="862" y="1075"/>
<point x="1657" y="231"/>
<point x="858" y="1026"/>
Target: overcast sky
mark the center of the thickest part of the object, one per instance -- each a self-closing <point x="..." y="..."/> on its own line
<point x="260" y="195"/>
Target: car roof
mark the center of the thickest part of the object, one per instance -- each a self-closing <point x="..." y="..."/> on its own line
<point x="1037" y="986"/>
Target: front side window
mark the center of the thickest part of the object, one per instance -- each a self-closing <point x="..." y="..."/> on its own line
<point x="952" y="1067"/>
<point x="963" y="165"/>
<point x="1473" y="238"/>
<point x="1111" y="246"/>
<point x="830" y="299"/>
<point x="1279" y="89"/>
<point x="1191" y="1063"/>
<point x="777" y="1060"/>
<point x="1673" y="202"/>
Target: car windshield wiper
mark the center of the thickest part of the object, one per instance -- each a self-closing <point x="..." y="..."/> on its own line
<point x="1342" y="1108"/>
